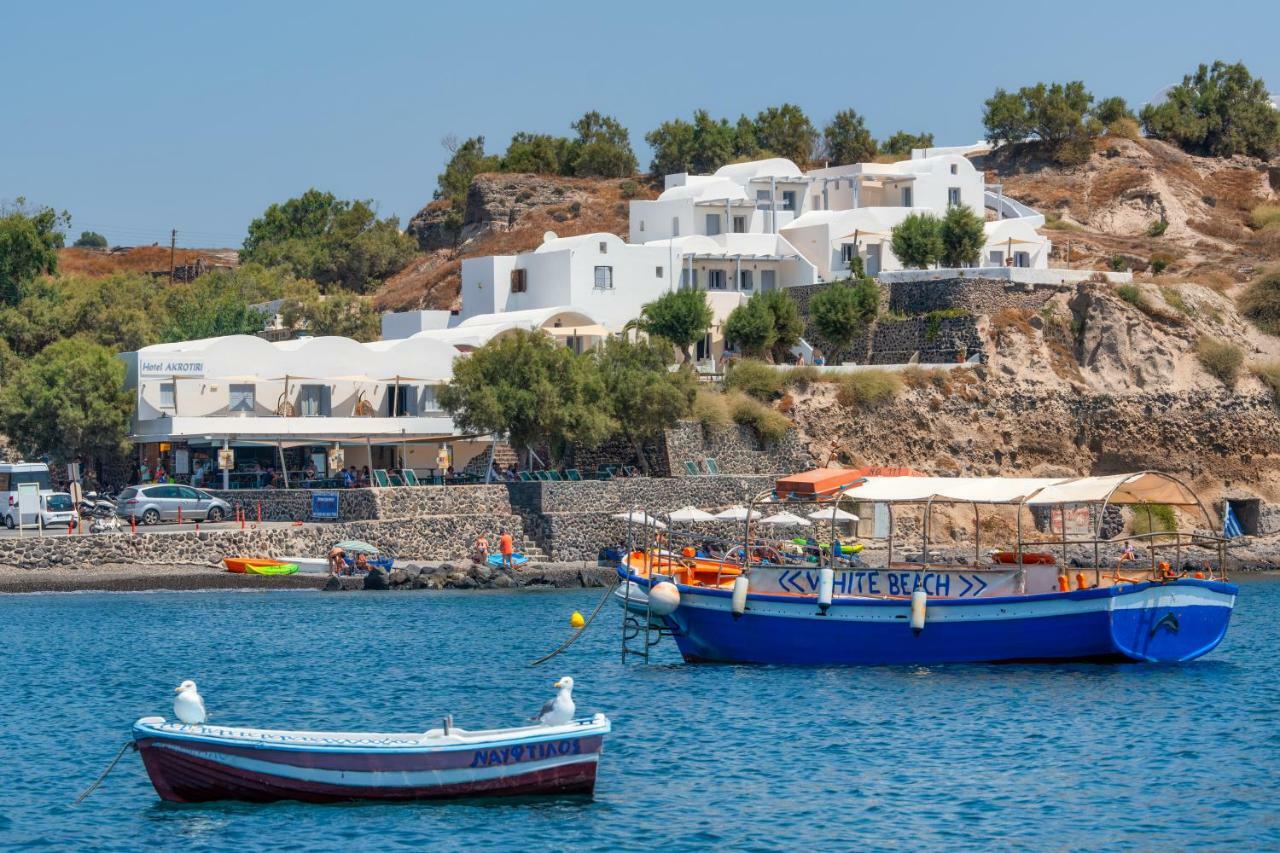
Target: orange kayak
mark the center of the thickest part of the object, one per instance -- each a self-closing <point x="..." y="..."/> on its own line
<point x="240" y="565"/>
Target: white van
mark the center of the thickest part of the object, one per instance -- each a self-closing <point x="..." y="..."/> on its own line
<point x="12" y="474"/>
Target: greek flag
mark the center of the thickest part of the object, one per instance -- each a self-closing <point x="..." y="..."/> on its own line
<point x="1230" y="524"/>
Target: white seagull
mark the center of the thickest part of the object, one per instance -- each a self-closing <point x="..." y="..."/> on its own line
<point x="188" y="706"/>
<point x="558" y="711"/>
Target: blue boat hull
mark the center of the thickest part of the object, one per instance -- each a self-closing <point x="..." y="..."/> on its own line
<point x="517" y="559"/>
<point x="1151" y="622"/>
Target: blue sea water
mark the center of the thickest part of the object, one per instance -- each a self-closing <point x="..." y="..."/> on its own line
<point x="1060" y="757"/>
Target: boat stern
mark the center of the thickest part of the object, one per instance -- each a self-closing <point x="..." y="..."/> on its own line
<point x="1171" y="622"/>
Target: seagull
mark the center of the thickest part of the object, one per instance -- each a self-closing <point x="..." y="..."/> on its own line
<point x="188" y="706"/>
<point x="558" y="711"/>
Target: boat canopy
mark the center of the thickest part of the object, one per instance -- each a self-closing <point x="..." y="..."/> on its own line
<point x="1137" y="488"/>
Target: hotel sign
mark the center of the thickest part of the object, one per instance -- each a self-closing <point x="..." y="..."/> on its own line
<point x="170" y="367"/>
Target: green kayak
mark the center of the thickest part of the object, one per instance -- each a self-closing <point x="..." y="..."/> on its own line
<point x="272" y="569"/>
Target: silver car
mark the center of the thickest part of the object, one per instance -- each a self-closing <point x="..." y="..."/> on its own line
<point x="162" y="502"/>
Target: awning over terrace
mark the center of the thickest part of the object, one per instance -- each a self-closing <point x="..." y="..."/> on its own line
<point x="1144" y="487"/>
<point x="1137" y="488"/>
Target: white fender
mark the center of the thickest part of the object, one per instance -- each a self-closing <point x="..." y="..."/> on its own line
<point x="741" y="584"/>
<point x="918" y="606"/>
<point x="664" y="598"/>
<point x="826" y="585"/>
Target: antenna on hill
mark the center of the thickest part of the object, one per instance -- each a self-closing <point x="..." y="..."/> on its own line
<point x="173" y="244"/>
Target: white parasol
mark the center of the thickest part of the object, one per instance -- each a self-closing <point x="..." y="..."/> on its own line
<point x="786" y="519"/>
<point x="832" y="512"/>
<point x="639" y="517"/>
<point x="690" y="513"/>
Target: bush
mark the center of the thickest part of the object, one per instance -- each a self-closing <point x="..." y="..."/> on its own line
<point x="962" y="237"/>
<point x="1219" y="111"/>
<point x="628" y="189"/>
<point x="754" y="378"/>
<point x="1173" y="298"/>
<point x="91" y="240"/>
<point x="1220" y="359"/>
<point x="711" y="409"/>
<point x="917" y="240"/>
<point x="1157" y="228"/>
<point x="1153" y="518"/>
<point x="1260" y="302"/>
<point x="1265" y="216"/>
<point x="1268" y="374"/>
<point x="1119" y="263"/>
<point x="840" y="312"/>
<point x="1132" y="294"/>
<point x="800" y="377"/>
<point x="769" y="424"/>
<point x="868" y="389"/>
<point x="1160" y="263"/>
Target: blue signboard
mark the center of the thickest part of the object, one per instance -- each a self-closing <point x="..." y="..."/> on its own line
<point x="324" y="505"/>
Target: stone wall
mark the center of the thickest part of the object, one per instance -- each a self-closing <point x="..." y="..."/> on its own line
<point x="975" y="295"/>
<point x="364" y="504"/>
<point x="934" y="339"/>
<point x="736" y="450"/>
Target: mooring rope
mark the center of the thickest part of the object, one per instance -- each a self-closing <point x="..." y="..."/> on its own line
<point x="110" y="767"/>
<point x="579" y="631"/>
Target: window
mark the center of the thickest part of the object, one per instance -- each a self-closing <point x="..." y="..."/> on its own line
<point x="313" y="401"/>
<point x="744" y="280"/>
<point x="675" y="226"/>
<point x="688" y="278"/>
<point x="906" y="196"/>
<point x="847" y="252"/>
<point x="427" y="399"/>
<point x="996" y="259"/>
<point x="788" y="199"/>
<point x="953" y="196"/>
<point x="402" y="400"/>
<point x="240" y="398"/>
<point x="715" y="280"/>
<point x="641" y="226"/>
<point x="166" y="395"/>
<point x="604" y="247"/>
<point x="713" y="224"/>
<point x="768" y="279"/>
<point x="762" y="199"/>
<point x="1021" y="259"/>
<point x="954" y="169"/>
<point x="739" y="225"/>
<point x="657" y="272"/>
<point x="188" y="493"/>
<point x="519" y="281"/>
<point x="604" y="278"/>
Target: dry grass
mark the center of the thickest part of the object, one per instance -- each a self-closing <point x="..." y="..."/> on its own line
<point x="1265" y="215"/>
<point x="1220" y="228"/>
<point x="711" y="409"/>
<point x="1008" y="321"/>
<point x="769" y="424"/>
<point x="1260" y="302"/>
<point x="1113" y="184"/>
<point x="918" y="378"/>
<point x="1220" y="359"/>
<point x="101" y="262"/>
<point x="868" y="389"/>
<point x="1268" y="372"/>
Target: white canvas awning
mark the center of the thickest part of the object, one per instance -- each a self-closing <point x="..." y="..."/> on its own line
<point x="639" y="517"/>
<point x="991" y="490"/>
<point x="690" y="513"/>
<point x="736" y="513"/>
<point x="1145" y="487"/>
<point x="833" y="512"/>
<point x="786" y="519"/>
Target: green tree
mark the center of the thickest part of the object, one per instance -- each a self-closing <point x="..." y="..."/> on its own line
<point x="842" y="311"/>
<point x="1220" y="110"/>
<point x="90" y="240"/>
<point x="681" y="317"/>
<point x="539" y="153"/>
<point x="1108" y="111"/>
<point x="766" y="326"/>
<point x="1004" y="115"/>
<point x="343" y="314"/>
<point x="672" y="144"/>
<point x="917" y="240"/>
<point x="332" y="241"/>
<point x="846" y="139"/>
<point x="962" y="237"/>
<point x="713" y="143"/>
<point x="68" y="401"/>
<point x="786" y="131"/>
<point x="29" y="243"/>
<point x="1058" y="114"/>
<point x="746" y="143"/>
<point x="642" y="394"/>
<point x="466" y="160"/>
<point x="901" y="143"/>
<point x="534" y="391"/>
<point x="603" y="148"/>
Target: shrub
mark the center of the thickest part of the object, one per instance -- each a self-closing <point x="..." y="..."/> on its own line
<point x="91" y="240"/>
<point x="917" y="240"/>
<point x="1153" y="518"/>
<point x="1220" y="110"/>
<point x="1268" y="374"/>
<point x="754" y="378"/>
<point x="1173" y="298"/>
<point x="962" y="237"/>
<point x="1157" y="228"/>
<point x="868" y="389"/>
<point x="1260" y="301"/>
<point x="1132" y="294"/>
<point x="840" y="312"/>
<point x="711" y="409"/>
<point x="1220" y="359"/>
<point x="1265" y="216"/>
<point x="628" y="189"/>
<point x="800" y="377"/>
<point x="1119" y="263"/>
<point x="916" y="378"/>
<point x="1160" y="263"/>
<point x="769" y="424"/>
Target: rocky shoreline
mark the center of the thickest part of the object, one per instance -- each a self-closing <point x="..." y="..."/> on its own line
<point x="117" y="577"/>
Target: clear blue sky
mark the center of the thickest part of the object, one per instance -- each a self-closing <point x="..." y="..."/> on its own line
<point x="138" y="117"/>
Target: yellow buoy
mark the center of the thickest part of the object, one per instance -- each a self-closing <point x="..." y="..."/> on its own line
<point x="576" y="620"/>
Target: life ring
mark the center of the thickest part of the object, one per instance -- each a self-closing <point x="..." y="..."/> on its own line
<point x="1029" y="558"/>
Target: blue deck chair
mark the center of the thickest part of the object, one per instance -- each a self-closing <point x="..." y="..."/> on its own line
<point x="711" y="466"/>
<point x="691" y="468"/>
<point x="526" y="477"/>
<point x="573" y="474"/>
<point x="554" y="476"/>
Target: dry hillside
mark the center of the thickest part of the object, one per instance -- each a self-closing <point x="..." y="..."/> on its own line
<point x="505" y="213"/>
<point x="101" y="262"/>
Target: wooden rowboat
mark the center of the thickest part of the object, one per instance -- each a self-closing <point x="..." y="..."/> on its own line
<point x="200" y="763"/>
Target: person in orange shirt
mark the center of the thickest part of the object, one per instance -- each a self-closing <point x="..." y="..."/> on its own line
<point x="506" y="547"/>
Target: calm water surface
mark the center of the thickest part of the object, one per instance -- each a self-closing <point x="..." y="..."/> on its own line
<point x="1059" y="757"/>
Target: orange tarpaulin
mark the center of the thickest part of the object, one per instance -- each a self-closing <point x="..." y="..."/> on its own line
<point x="827" y="481"/>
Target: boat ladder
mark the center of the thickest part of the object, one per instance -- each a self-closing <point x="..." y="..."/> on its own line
<point x="640" y="633"/>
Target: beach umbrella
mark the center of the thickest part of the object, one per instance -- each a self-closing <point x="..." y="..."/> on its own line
<point x="640" y="517"/>
<point x="736" y="512"/>
<point x="833" y="512"/>
<point x="690" y="513"/>
<point x="356" y="546"/>
<point x="786" y="519"/>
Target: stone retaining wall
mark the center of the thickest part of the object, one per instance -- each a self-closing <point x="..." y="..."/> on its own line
<point x="736" y="450"/>
<point x="976" y="295"/>
<point x="365" y="504"/>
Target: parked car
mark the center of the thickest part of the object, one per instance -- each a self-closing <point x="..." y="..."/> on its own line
<point x="161" y="502"/>
<point x="56" y="510"/>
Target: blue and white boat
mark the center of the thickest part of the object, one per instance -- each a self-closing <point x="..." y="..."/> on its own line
<point x="1016" y="604"/>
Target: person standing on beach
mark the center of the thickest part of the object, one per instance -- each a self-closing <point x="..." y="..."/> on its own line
<point x="507" y="549"/>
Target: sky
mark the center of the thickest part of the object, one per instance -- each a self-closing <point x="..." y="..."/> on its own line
<point x="141" y="117"/>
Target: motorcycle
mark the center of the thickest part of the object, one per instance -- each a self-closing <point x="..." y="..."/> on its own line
<point x="96" y="505"/>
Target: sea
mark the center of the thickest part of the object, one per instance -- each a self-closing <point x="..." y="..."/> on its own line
<point x="1057" y="757"/>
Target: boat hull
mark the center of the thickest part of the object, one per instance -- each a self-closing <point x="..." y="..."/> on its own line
<point x="186" y="765"/>
<point x="1148" y="622"/>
